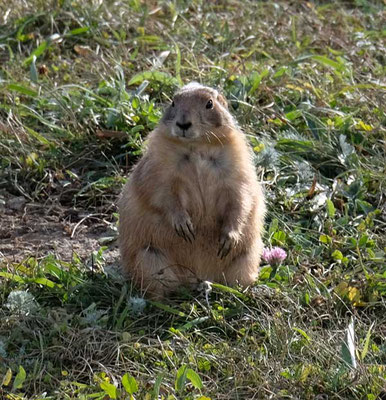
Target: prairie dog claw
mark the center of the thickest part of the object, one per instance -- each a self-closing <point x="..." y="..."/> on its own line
<point x="184" y="228"/>
<point x="227" y="242"/>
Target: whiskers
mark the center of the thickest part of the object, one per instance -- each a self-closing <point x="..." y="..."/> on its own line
<point x="211" y="133"/>
<point x="207" y="136"/>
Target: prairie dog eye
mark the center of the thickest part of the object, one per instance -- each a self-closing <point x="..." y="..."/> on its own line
<point x="173" y="103"/>
<point x="209" y="104"/>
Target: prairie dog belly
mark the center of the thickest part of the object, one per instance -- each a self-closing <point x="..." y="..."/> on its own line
<point x="203" y="173"/>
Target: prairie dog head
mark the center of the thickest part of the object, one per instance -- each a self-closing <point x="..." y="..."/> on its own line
<point x="197" y="113"/>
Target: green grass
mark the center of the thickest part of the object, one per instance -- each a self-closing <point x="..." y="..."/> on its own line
<point x="81" y="85"/>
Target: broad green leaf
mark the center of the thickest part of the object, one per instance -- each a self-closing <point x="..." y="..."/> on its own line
<point x="194" y="378"/>
<point x="7" y="378"/>
<point x="181" y="378"/>
<point x="137" y="128"/>
<point x="330" y="208"/>
<point x="129" y="383"/>
<point x="265" y="273"/>
<point x="257" y="78"/>
<point x="154" y="76"/>
<point x="363" y="126"/>
<point x="364" y="206"/>
<point x="342" y="289"/>
<point x="279" y="238"/>
<point x="135" y="102"/>
<point x="354" y="295"/>
<point x="292" y="115"/>
<point x="109" y="389"/>
<point x="19" y="378"/>
<point x="337" y="255"/>
<point x="325" y="239"/>
<point x="363" y="240"/>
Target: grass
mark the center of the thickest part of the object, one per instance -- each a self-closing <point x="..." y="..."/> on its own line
<point x="83" y="82"/>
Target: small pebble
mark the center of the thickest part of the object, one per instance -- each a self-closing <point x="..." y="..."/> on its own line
<point x="16" y="203"/>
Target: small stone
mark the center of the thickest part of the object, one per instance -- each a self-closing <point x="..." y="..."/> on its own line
<point x="16" y="203"/>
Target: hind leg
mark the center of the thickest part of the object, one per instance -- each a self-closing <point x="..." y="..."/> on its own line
<point x="152" y="273"/>
<point x="244" y="268"/>
<point x="157" y="276"/>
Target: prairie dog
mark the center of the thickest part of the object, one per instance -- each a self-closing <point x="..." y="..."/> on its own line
<point x="192" y="208"/>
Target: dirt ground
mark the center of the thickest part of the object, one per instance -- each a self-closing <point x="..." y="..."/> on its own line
<point x="31" y="229"/>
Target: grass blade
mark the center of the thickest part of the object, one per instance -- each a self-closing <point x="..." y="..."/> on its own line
<point x="330" y="208"/>
<point x="166" y="308"/>
<point x="367" y="342"/>
<point x="36" y="53"/>
<point x="79" y="31"/>
<point x="157" y="387"/>
<point x="348" y="346"/>
<point x="7" y="378"/>
<point x="32" y="70"/>
<point x="22" y="90"/>
<point x="178" y="65"/>
<point x="228" y="289"/>
<point x="154" y="76"/>
<point x="181" y="378"/>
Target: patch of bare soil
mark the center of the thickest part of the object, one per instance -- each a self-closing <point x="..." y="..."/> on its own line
<point x="31" y="229"/>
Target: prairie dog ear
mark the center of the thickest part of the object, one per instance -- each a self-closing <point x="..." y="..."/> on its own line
<point x="222" y="100"/>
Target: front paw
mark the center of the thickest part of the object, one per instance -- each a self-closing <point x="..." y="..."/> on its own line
<point x="184" y="227"/>
<point x="228" y="241"/>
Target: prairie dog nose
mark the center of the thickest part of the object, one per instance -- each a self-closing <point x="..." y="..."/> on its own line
<point x="184" y="126"/>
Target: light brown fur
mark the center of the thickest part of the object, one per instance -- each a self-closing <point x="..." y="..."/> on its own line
<point x="192" y="209"/>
